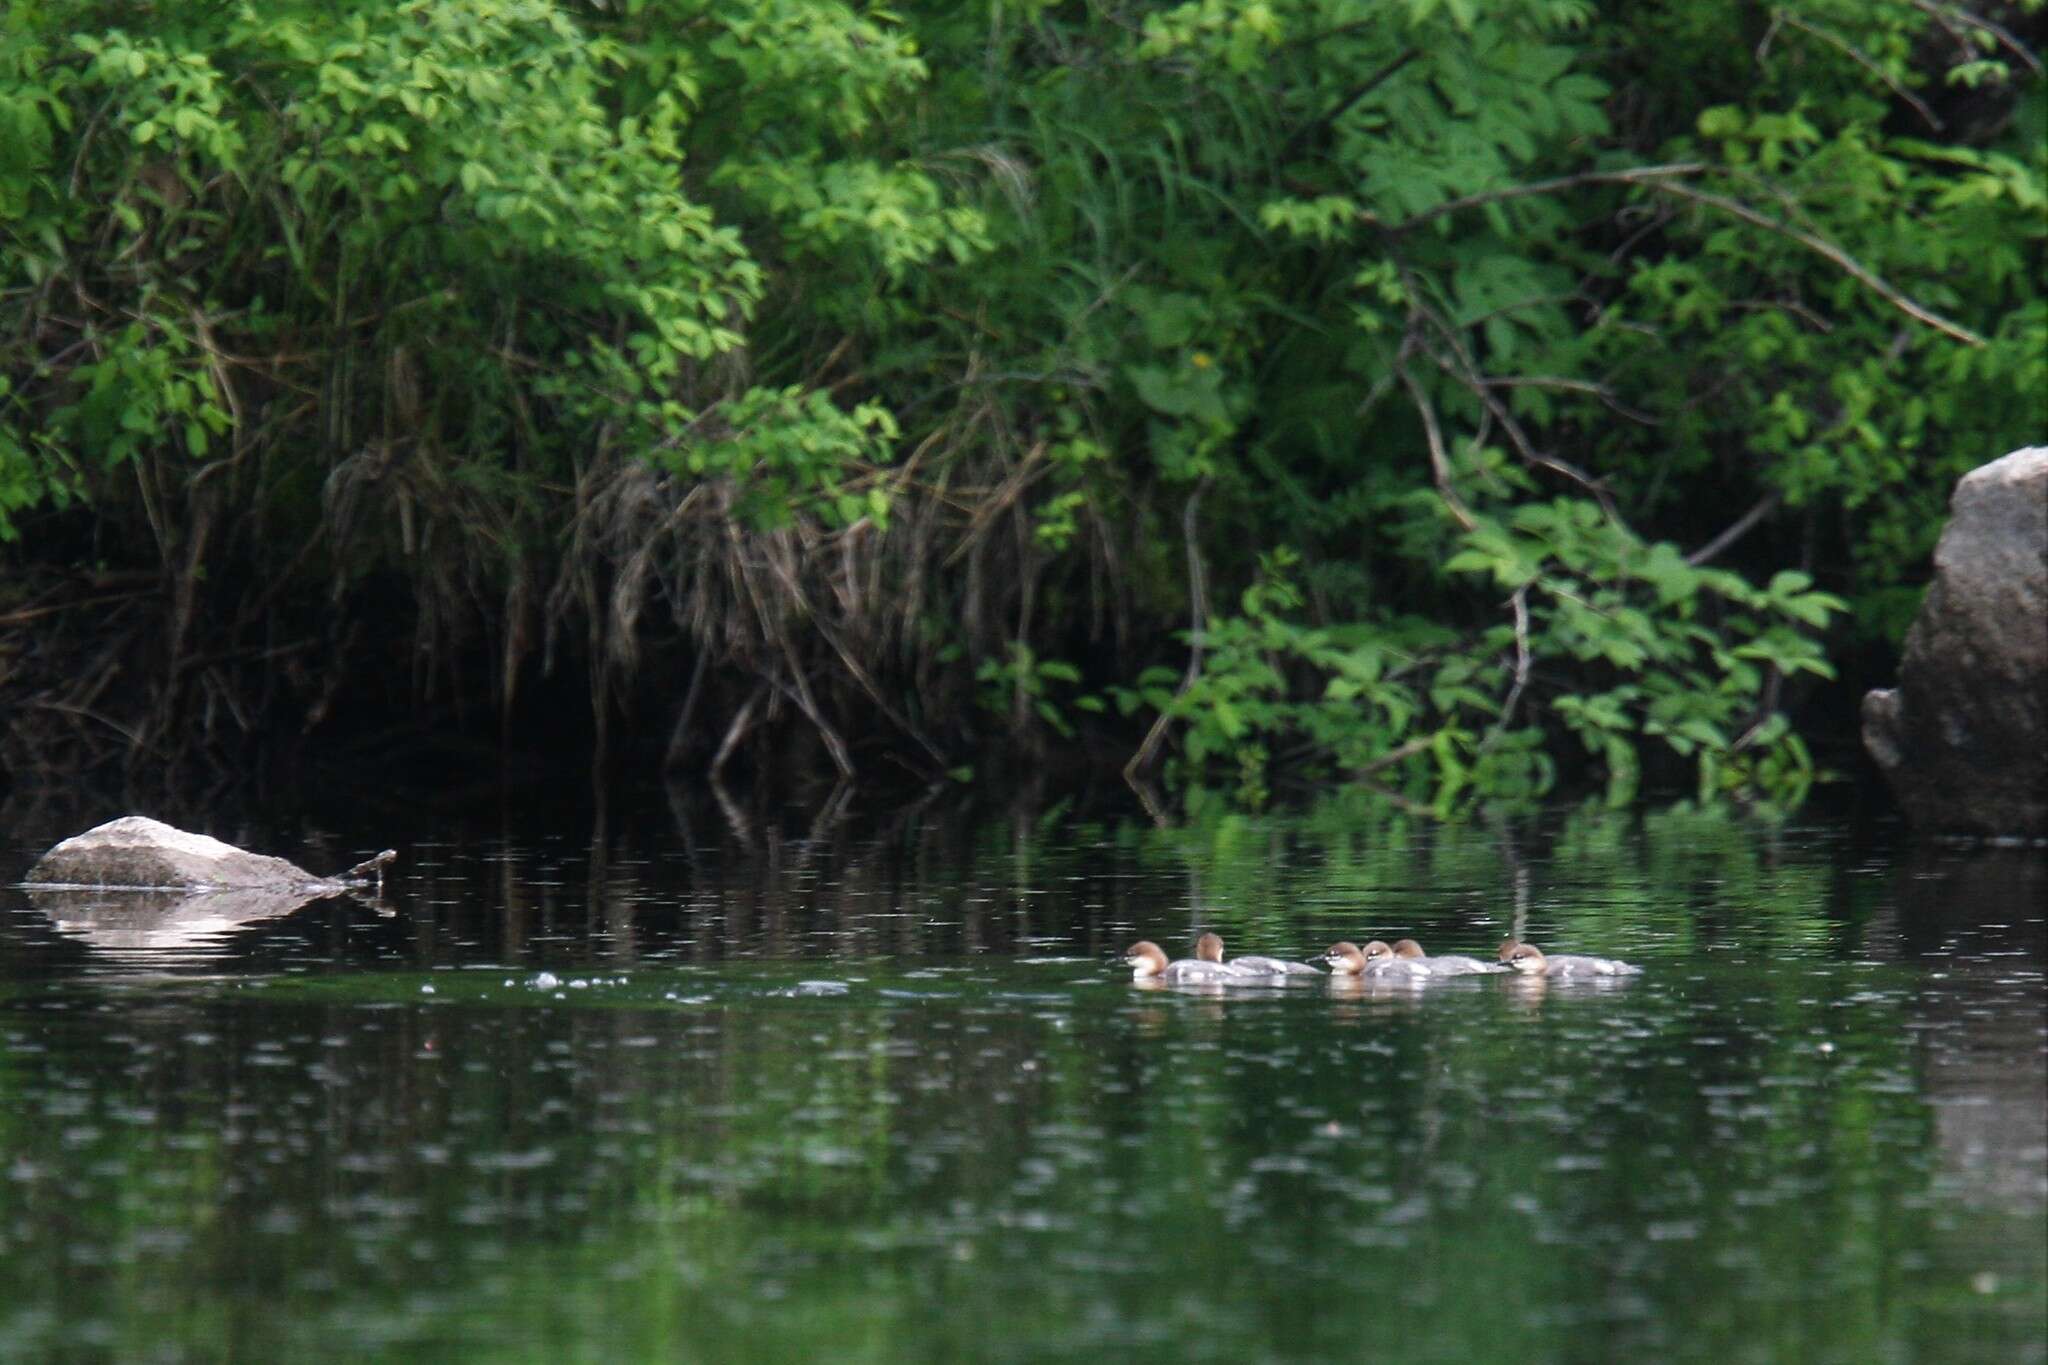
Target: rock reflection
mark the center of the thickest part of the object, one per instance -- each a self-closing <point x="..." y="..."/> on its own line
<point x="762" y="1097"/>
<point x="169" y="926"/>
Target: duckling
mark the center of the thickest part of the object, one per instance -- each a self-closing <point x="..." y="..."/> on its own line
<point x="1530" y="960"/>
<point x="1451" y="964"/>
<point x="1148" y="963"/>
<point x="1209" y="948"/>
<point x="1376" y="959"/>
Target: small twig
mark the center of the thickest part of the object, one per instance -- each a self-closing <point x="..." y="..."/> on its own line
<point x="1797" y="310"/>
<point x="1343" y="106"/>
<point x="1661" y="179"/>
<point x="1380" y="385"/>
<point x="679" y="733"/>
<point x="1403" y="802"/>
<point x="1641" y="175"/>
<point x="1521" y="605"/>
<point x="734" y="734"/>
<point x="800" y="694"/>
<point x="133" y="737"/>
<point x="1198" y="622"/>
<point x="1766" y="707"/>
<point x="1763" y="47"/>
<point x="1738" y="529"/>
<point x="1394" y="755"/>
<point x="1599" y="391"/>
<point x="1943" y="13"/>
<point x="23" y="615"/>
<point x="1830" y="252"/>
<point x="1861" y="59"/>
<point x="1467" y="372"/>
<point x="1439" y="459"/>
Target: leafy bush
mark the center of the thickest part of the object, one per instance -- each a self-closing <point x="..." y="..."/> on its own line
<point x="1541" y="380"/>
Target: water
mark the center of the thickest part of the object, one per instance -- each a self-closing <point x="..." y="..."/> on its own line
<point x="729" y="1089"/>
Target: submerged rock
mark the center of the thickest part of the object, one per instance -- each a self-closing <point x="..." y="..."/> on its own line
<point x="137" y="883"/>
<point x="1963" y="739"/>
<point x="136" y="851"/>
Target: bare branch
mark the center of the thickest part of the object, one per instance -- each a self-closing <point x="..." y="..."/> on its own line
<point x="1641" y="175"/>
<point x="1862" y="59"/>
<point x="1662" y="179"/>
<point x="1394" y="755"/>
<point x="1351" y="97"/>
<point x="1439" y="458"/>
<point x="1942" y="14"/>
<point x="1198" y="619"/>
<point x="1520" y="602"/>
<point x="1847" y="263"/>
<point x="1797" y="310"/>
<point x="1599" y="391"/>
<point x="1464" y="368"/>
<point x="1738" y="529"/>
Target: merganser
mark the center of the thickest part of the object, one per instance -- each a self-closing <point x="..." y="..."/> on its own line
<point x="1530" y="960"/>
<point x="1209" y="948"/>
<point x="1376" y="959"/>
<point x="1450" y="964"/>
<point x="1148" y="963"/>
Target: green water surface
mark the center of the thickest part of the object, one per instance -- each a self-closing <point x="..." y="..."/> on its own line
<point x="890" y="1096"/>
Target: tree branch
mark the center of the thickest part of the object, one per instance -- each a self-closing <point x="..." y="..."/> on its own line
<point x="1661" y="179"/>
<point x="1198" y="620"/>
<point x="1862" y="59"/>
<point x="1641" y="175"/>
<point x="1827" y="250"/>
<point x="1359" y="92"/>
<point x="1507" y="708"/>
<point x="1439" y="458"/>
<point x="1738" y="529"/>
<point x="1943" y="13"/>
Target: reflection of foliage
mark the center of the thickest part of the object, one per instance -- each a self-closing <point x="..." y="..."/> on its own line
<point x="894" y="1181"/>
<point x="684" y="1159"/>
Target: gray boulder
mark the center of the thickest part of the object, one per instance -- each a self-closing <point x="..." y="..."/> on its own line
<point x="137" y="852"/>
<point x="1963" y="739"/>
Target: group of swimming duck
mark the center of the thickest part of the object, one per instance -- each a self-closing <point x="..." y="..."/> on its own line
<point x="1403" y="961"/>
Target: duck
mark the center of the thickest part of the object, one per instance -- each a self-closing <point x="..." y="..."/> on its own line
<point x="1209" y="948"/>
<point x="1375" y="959"/>
<point x="1148" y="963"/>
<point x="1530" y="960"/>
<point x="1450" y="964"/>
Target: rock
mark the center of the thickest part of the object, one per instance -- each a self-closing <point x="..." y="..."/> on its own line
<point x="1963" y="739"/>
<point x="138" y="852"/>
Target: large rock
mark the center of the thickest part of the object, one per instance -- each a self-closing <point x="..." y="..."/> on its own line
<point x="137" y="852"/>
<point x="1963" y="739"/>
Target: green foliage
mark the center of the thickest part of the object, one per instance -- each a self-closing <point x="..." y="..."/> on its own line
<point x="409" y="286"/>
<point x="779" y="445"/>
<point x="1486" y="358"/>
<point x="1656" y="647"/>
<point x="1302" y="237"/>
<point x="1822" y="390"/>
<point x="1651" y="647"/>
<point x="1027" y="687"/>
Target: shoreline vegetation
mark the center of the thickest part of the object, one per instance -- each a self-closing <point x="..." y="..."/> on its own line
<point x="1466" y="400"/>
